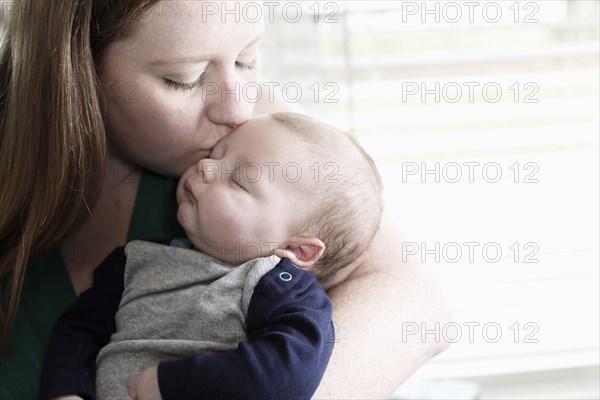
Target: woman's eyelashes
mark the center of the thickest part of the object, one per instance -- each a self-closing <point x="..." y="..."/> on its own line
<point x="200" y="81"/>
<point x="184" y="86"/>
<point x="246" y="66"/>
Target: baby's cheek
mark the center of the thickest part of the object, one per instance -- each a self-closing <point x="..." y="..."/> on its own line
<point x="184" y="216"/>
<point x="228" y="219"/>
<point x="231" y="223"/>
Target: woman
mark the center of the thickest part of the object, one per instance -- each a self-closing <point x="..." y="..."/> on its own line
<point x="122" y="87"/>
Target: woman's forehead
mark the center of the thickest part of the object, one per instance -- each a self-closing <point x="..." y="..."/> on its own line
<point x="186" y="29"/>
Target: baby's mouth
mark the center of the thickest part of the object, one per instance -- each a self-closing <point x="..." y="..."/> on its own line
<point x="188" y="191"/>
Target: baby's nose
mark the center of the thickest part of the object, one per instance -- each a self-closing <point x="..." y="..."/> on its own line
<point x="208" y="169"/>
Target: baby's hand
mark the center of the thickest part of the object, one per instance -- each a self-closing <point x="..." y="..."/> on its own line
<point x="145" y="386"/>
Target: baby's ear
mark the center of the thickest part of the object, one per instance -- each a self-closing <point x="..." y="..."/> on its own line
<point x="302" y="251"/>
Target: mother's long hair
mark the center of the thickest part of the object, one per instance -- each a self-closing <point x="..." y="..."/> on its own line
<point x="52" y="138"/>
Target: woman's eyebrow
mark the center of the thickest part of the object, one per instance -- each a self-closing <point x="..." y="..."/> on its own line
<point x="181" y="60"/>
<point x="196" y="60"/>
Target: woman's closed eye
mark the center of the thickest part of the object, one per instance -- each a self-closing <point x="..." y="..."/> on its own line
<point x="171" y="84"/>
<point x="246" y="66"/>
<point x="184" y="86"/>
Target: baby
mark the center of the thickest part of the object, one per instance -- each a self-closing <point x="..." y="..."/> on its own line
<point x="234" y="310"/>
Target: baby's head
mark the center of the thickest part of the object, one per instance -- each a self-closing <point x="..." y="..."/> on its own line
<point x="283" y="184"/>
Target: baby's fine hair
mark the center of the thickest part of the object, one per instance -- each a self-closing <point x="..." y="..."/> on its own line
<point x="347" y="202"/>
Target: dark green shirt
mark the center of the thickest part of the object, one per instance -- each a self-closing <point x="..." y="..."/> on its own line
<point x="47" y="289"/>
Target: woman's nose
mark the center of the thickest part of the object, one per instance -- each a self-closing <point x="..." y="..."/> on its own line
<point x="229" y="106"/>
<point x="208" y="169"/>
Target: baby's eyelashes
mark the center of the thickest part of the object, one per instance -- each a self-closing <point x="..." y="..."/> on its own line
<point x="234" y="177"/>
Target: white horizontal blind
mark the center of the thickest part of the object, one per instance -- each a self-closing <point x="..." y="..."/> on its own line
<point x="509" y="88"/>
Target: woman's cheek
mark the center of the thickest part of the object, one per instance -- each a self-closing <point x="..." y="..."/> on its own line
<point x="165" y="124"/>
<point x="140" y="128"/>
<point x="166" y="111"/>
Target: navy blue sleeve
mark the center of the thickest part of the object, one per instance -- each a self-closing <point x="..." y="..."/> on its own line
<point x="290" y="341"/>
<point x="70" y="360"/>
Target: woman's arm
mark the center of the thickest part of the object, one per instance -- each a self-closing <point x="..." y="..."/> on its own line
<point x="370" y="358"/>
